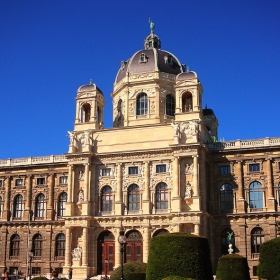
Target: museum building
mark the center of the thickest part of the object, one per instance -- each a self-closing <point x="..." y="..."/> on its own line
<point x="158" y="170"/>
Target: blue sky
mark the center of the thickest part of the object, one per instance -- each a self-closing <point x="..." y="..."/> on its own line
<point x="49" y="48"/>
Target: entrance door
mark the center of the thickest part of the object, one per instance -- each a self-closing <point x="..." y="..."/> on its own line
<point x="134" y="247"/>
<point x="105" y="253"/>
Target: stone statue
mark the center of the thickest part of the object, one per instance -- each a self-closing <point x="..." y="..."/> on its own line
<point x="188" y="193"/>
<point x="71" y="135"/>
<point x="189" y="168"/>
<point x="77" y="253"/>
<point x="81" y="196"/>
<point x="176" y="128"/>
<point x="152" y="26"/>
<point x="86" y="137"/>
<point x="81" y="175"/>
<point x="229" y="237"/>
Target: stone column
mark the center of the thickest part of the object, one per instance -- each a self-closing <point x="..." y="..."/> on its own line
<point x="118" y="202"/>
<point x="86" y="182"/>
<point x="70" y="183"/>
<point x="146" y="196"/>
<point x="270" y="200"/>
<point x="196" y="229"/>
<point x="68" y="253"/>
<point x="85" y="247"/>
<point x="240" y="198"/>
<point x="117" y="253"/>
<point x="146" y="244"/>
<point x="50" y="200"/>
<point x="7" y="210"/>
<point x="195" y="176"/>
<point x="176" y="187"/>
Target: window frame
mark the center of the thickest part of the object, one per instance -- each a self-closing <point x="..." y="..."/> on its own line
<point x="15" y="246"/>
<point x="37" y="245"/>
<point x="161" y="168"/>
<point x="60" y="245"/>
<point x="18" y="206"/>
<point x="63" y="180"/>
<point x="106" y="172"/>
<point x="162" y="194"/>
<point x="142" y="104"/>
<point x="19" y="182"/>
<point x="257" y="239"/>
<point x="106" y="199"/>
<point x="254" y="167"/>
<point x="133" y="170"/>
<point x="170" y="105"/>
<point x="224" y="169"/>
<point x="40" y="206"/>
<point x="61" y="206"/>
<point x="255" y="195"/>
<point x="226" y="204"/>
<point x="40" y="181"/>
<point x="133" y="198"/>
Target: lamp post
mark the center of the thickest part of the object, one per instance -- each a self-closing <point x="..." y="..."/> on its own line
<point x="31" y="254"/>
<point x="122" y="241"/>
<point x="106" y="268"/>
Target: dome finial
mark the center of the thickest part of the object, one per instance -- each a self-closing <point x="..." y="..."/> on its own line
<point x="152" y="26"/>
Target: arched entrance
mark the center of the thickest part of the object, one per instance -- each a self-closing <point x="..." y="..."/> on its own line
<point x="105" y="252"/>
<point x="134" y="247"/>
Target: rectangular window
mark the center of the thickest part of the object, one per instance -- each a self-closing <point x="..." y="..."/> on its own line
<point x="255" y="271"/>
<point x="41" y="181"/>
<point x="19" y="182"/>
<point x="133" y="170"/>
<point x="278" y="165"/>
<point x="106" y="171"/>
<point x="254" y="167"/>
<point x="63" y="180"/>
<point x="36" y="270"/>
<point x="161" y="168"/>
<point x="225" y="169"/>
<point x="59" y="270"/>
<point x="1" y="183"/>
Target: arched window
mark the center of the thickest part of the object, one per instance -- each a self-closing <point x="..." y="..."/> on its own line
<point x="170" y="105"/>
<point x="160" y="232"/>
<point x="62" y="204"/>
<point x="256" y="195"/>
<point x="133" y="198"/>
<point x="37" y="246"/>
<point x="257" y="239"/>
<point x="60" y="242"/>
<point x="18" y="206"/>
<point x="142" y="104"/>
<point x="227" y="237"/>
<point x="187" y="103"/>
<point x="85" y="113"/>
<point x="15" y="246"/>
<point x="161" y="196"/>
<point x="226" y="197"/>
<point x="1" y="206"/>
<point x="40" y="206"/>
<point x="278" y="194"/>
<point x="134" y="247"/>
<point x="106" y="199"/>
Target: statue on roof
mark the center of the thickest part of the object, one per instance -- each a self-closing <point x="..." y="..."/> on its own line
<point x="152" y="26"/>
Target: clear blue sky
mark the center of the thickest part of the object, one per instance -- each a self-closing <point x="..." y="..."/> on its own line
<point x="49" y="48"/>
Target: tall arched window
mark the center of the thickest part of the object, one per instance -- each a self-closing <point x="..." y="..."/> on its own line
<point x="170" y="105"/>
<point x="15" y="246"/>
<point x="256" y="195"/>
<point x="257" y="239"/>
<point x="62" y="204"/>
<point x="18" y="206"/>
<point x="226" y="233"/>
<point x="187" y="103"/>
<point x="85" y="113"/>
<point x="37" y="246"/>
<point x="40" y="206"/>
<point x="133" y="198"/>
<point x="161" y="196"/>
<point x="106" y="199"/>
<point x="60" y="242"/>
<point x="278" y="195"/>
<point x="226" y="197"/>
<point x="1" y="206"/>
<point x="142" y="104"/>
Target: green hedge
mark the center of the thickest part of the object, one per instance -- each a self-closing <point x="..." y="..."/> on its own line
<point x="129" y="268"/>
<point x="177" y="278"/>
<point x="232" y="267"/>
<point x="136" y="276"/>
<point x="269" y="260"/>
<point x="179" y="254"/>
<point x="39" y="278"/>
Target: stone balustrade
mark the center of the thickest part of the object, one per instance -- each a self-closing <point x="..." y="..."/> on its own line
<point x="32" y="160"/>
<point x="243" y="144"/>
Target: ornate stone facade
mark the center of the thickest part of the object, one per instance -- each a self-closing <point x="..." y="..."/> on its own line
<point x="158" y="170"/>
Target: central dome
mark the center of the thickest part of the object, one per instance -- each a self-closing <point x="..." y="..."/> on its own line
<point x="150" y="59"/>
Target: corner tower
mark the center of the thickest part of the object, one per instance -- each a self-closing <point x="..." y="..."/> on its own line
<point x="144" y="90"/>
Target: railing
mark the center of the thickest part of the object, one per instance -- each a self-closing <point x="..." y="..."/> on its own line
<point x="243" y="144"/>
<point x="32" y="160"/>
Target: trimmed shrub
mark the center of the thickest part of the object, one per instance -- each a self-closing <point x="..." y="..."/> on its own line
<point x="129" y="268"/>
<point x="232" y="267"/>
<point x="179" y="254"/>
<point x="136" y="276"/>
<point x="268" y="267"/>
<point x="177" y="278"/>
